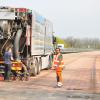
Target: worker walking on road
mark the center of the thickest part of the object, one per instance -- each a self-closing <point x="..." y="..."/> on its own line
<point x="58" y="65"/>
<point x="7" y="61"/>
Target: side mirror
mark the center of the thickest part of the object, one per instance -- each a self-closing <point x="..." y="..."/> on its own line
<point x="54" y="40"/>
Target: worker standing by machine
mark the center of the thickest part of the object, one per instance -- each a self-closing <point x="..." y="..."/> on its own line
<point x="58" y="65"/>
<point x="7" y="62"/>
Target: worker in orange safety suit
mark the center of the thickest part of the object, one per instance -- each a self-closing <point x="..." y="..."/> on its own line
<point x="58" y="65"/>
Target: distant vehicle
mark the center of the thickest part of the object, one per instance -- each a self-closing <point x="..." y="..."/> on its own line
<point x="29" y="35"/>
<point x="61" y="46"/>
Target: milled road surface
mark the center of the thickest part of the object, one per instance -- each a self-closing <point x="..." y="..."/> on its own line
<point x="81" y="81"/>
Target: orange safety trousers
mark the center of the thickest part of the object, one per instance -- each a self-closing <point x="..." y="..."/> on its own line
<point x="59" y="74"/>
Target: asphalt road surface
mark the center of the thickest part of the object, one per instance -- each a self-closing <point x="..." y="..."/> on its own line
<point x="81" y="81"/>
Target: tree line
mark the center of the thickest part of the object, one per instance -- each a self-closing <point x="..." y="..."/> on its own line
<point x="85" y="43"/>
<point x="92" y="43"/>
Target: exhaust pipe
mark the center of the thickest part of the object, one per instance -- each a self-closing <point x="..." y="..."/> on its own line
<point x="16" y="44"/>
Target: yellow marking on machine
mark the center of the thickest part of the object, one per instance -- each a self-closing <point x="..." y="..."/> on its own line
<point x="15" y="65"/>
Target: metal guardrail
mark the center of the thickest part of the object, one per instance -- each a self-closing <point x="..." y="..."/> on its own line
<point x="76" y="50"/>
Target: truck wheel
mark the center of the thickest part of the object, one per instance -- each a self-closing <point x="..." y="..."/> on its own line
<point x="39" y="66"/>
<point x="35" y="67"/>
<point x="49" y="63"/>
<point x="31" y="67"/>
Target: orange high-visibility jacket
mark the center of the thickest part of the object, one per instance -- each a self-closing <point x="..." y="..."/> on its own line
<point x="56" y="63"/>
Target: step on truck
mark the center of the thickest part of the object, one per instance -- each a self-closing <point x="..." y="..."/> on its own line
<point x="30" y="37"/>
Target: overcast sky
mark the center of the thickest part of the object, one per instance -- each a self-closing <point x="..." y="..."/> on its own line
<point x="77" y="18"/>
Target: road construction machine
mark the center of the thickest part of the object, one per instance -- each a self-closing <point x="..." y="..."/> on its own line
<point x="30" y="37"/>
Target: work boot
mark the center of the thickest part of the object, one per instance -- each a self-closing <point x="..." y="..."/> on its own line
<point x="59" y="84"/>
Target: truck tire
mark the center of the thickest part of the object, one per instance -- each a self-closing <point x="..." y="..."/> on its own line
<point x="31" y="66"/>
<point x="39" y="66"/>
<point x="33" y="63"/>
<point x="35" y="67"/>
<point x="49" y="62"/>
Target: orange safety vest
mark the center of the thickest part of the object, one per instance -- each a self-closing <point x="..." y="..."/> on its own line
<point x="56" y="63"/>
